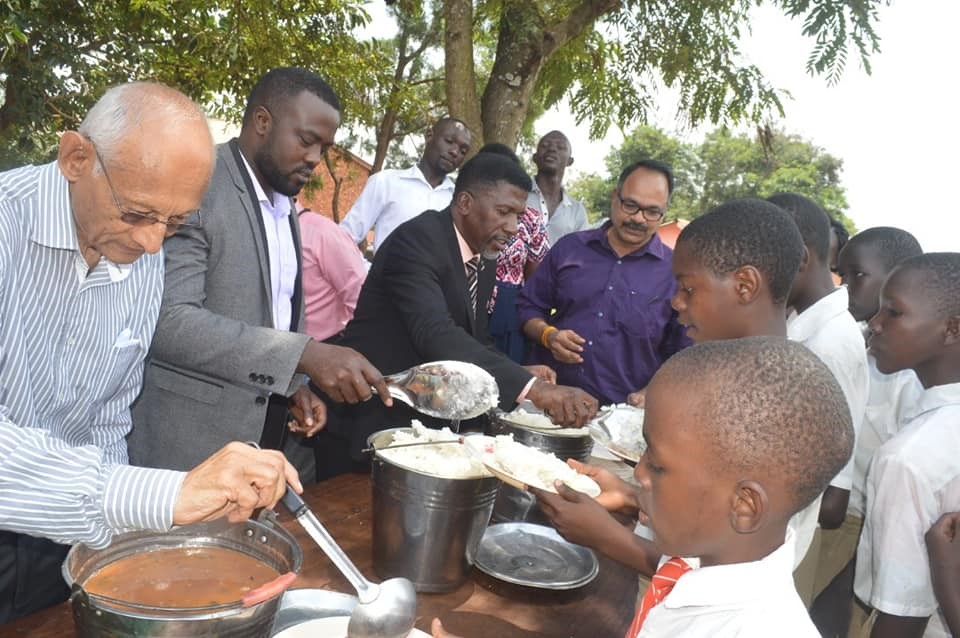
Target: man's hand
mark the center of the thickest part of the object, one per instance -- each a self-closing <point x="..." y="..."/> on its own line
<point x="566" y="346"/>
<point x="576" y="516"/>
<point x="616" y="495"/>
<point x="232" y="483"/>
<point x="563" y="404"/>
<point x="637" y="399"/>
<point x="544" y="373"/>
<point x="343" y="374"/>
<point x="308" y="411"/>
<point x="437" y="630"/>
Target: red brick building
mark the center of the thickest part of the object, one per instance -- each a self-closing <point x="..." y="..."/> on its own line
<point x="350" y="170"/>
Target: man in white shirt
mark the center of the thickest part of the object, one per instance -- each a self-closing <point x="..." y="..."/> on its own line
<point x="81" y="277"/>
<point x="394" y="196"/>
<point x="562" y="214"/>
<point x="229" y="353"/>
<point x="915" y="476"/>
<point x="822" y="323"/>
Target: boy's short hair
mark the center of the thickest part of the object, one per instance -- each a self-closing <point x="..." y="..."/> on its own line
<point x="769" y="409"/>
<point x="893" y="244"/>
<point x="813" y="221"/>
<point x="748" y="232"/>
<point x="941" y="281"/>
<point x="486" y="169"/>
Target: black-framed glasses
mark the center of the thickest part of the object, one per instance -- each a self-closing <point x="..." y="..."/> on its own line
<point x="136" y="218"/>
<point x="630" y="207"/>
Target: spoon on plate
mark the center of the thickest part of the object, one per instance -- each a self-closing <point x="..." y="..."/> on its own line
<point x="451" y="390"/>
<point x="387" y="610"/>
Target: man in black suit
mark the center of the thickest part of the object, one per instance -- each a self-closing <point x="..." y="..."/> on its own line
<point x="416" y="306"/>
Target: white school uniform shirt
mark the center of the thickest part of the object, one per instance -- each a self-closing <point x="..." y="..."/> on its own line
<point x="890" y="397"/>
<point x="829" y="331"/>
<point x="392" y="197"/>
<point x="747" y="600"/>
<point x="913" y="480"/>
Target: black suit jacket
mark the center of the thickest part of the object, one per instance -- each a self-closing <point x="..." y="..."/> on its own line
<point x="414" y="307"/>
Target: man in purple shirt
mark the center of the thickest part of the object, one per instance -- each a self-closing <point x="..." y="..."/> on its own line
<point x="611" y="289"/>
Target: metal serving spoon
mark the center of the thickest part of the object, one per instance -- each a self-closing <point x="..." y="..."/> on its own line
<point x="387" y="610"/>
<point x="451" y="390"/>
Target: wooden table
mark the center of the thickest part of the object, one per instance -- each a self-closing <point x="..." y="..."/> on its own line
<point x="481" y="608"/>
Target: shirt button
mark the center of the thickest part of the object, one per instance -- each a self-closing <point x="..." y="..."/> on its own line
<point x="589" y="343"/>
<point x="599" y="314"/>
<point x="71" y="341"/>
<point x="619" y="261"/>
<point x="609" y="287"/>
<point x="260" y="400"/>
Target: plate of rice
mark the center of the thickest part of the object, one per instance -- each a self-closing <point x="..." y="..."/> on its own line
<point x="619" y="428"/>
<point x="522" y="466"/>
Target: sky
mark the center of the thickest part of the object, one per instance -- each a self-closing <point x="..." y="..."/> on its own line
<point x="896" y="130"/>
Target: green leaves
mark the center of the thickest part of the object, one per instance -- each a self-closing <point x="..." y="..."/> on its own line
<point x="724" y="166"/>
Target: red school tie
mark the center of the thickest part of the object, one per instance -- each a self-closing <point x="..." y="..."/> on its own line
<point x="660" y="585"/>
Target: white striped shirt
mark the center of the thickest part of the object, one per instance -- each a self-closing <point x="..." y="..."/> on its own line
<point x="72" y="346"/>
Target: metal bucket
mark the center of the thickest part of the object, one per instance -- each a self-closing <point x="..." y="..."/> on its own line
<point x="426" y="528"/>
<point x="519" y="505"/>
<point x="99" y="617"/>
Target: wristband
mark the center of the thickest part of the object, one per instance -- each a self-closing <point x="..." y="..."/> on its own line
<point x="545" y="334"/>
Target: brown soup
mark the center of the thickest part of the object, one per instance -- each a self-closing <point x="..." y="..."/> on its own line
<point x="181" y="577"/>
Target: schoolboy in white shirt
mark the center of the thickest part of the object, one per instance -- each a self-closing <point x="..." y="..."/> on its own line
<point x="915" y="476"/>
<point x="823" y="324"/>
<point x="863" y="264"/>
<point x="740" y="434"/>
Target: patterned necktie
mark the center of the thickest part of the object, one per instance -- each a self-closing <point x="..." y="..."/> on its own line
<point x="660" y="585"/>
<point x="472" y="266"/>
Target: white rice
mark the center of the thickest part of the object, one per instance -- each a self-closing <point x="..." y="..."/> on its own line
<point x="445" y="461"/>
<point x="537" y="468"/>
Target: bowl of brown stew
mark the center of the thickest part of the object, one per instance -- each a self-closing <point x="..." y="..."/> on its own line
<point x="206" y="579"/>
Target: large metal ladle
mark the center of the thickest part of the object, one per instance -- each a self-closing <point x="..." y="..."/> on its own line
<point x="387" y="610"/>
<point x="451" y="390"/>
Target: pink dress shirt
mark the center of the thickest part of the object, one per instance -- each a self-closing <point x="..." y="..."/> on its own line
<point x="333" y="272"/>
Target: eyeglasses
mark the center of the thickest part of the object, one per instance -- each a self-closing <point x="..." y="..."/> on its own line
<point x="630" y="207"/>
<point x="136" y="218"/>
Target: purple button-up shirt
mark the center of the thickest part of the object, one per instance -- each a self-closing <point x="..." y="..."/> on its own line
<point x="620" y="305"/>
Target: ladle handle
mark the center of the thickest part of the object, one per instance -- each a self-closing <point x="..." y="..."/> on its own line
<point x="366" y="591"/>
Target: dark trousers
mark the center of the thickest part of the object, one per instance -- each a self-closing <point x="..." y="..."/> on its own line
<point x="504" y="324"/>
<point x="30" y="576"/>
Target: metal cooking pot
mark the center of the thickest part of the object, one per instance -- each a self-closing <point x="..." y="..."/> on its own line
<point x="519" y="505"/>
<point x="99" y="617"/>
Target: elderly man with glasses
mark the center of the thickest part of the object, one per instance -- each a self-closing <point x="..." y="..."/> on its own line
<point x="81" y="278"/>
<point x="598" y="307"/>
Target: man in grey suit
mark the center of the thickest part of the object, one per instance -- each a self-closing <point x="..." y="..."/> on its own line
<point x="227" y="359"/>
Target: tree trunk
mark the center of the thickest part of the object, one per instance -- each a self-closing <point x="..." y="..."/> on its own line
<point x="337" y="183"/>
<point x="460" y="77"/>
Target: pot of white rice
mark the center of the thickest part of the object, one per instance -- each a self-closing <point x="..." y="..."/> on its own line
<point x="431" y="505"/>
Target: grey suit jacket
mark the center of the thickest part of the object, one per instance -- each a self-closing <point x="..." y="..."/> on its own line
<point x="215" y="357"/>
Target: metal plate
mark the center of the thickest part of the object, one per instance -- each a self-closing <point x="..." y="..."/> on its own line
<point x="534" y="556"/>
<point x="300" y="605"/>
<point x="305" y="609"/>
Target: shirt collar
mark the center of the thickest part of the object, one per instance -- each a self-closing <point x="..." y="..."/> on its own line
<point x="414" y="173"/>
<point x="55" y="226"/>
<point x="804" y="325"/>
<point x="934" y="398"/>
<point x="736" y="583"/>
<point x="564" y="198"/>
<point x="279" y="209"/>
<point x="654" y="247"/>
<point x="466" y="253"/>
